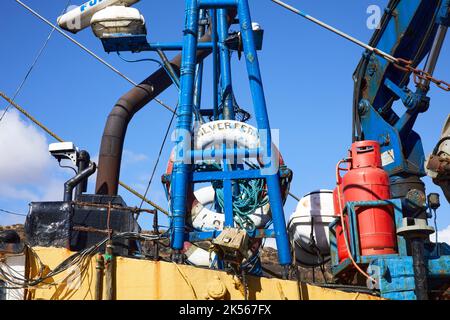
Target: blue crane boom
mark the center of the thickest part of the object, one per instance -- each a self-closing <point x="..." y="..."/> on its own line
<point x="412" y="31"/>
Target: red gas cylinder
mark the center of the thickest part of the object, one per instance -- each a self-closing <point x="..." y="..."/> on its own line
<point x="367" y="181"/>
<point x="340" y="240"/>
<point x="339" y="204"/>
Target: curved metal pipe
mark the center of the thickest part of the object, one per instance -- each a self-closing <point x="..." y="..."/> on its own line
<point x="116" y="126"/>
<point x="134" y="100"/>
<point x="80" y="177"/>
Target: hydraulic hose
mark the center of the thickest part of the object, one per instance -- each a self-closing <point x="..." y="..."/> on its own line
<point x="344" y="227"/>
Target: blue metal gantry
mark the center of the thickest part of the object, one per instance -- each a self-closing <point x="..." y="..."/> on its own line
<point x="183" y="176"/>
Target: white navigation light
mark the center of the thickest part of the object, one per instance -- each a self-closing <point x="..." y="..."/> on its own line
<point x="64" y="150"/>
<point x="118" y="20"/>
<point x="80" y="18"/>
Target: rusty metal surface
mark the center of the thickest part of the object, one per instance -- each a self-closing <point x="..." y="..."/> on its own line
<point x="439" y="165"/>
<point x="127" y="106"/>
<point x="92" y="230"/>
<point x="106" y="206"/>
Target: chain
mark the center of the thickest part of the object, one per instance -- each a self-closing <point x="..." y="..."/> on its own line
<point x="419" y="75"/>
<point x="402" y="64"/>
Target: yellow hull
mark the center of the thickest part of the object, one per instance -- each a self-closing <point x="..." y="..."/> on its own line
<point x="149" y="280"/>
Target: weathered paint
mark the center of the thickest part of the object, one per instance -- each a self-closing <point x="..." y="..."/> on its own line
<point x="150" y="280"/>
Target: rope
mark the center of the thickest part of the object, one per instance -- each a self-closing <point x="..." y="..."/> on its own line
<point x="185" y="278"/>
<point x="56" y="137"/>
<point x="253" y="195"/>
<point x="88" y="51"/>
<point x="31" y="67"/>
<point x="29" y="116"/>
<point x="137" y="194"/>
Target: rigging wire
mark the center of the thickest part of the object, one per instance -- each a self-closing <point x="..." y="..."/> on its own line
<point x="30" y="117"/>
<point x="159" y="155"/>
<point x="88" y="51"/>
<point x="13" y="213"/>
<point x="175" y="82"/>
<point x="56" y="137"/>
<point x="338" y="32"/>
<point x="30" y="69"/>
<point x="77" y="261"/>
<point x="402" y="64"/>
<point x="55" y="28"/>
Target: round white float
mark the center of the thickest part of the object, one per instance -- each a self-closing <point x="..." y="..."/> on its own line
<point x="316" y="206"/>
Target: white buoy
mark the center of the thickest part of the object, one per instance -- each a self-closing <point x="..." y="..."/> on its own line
<point x="197" y="256"/>
<point x="118" y="20"/>
<point x="314" y="212"/>
<point x="80" y="17"/>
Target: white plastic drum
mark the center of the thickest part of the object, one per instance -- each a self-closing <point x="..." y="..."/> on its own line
<point x="316" y="206"/>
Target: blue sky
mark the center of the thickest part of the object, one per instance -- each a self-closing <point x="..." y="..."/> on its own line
<point x="307" y="74"/>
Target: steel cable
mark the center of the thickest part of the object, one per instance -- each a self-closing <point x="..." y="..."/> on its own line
<point x="88" y="51"/>
<point x="56" y="137"/>
<point x="31" y="67"/>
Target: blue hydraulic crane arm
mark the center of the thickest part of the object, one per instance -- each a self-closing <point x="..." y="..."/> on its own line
<point x="407" y="30"/>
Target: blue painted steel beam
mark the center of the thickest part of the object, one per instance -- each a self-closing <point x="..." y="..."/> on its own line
<point x="216" y="4"/>
<point x="209" y="235"/>
<point x="215" y="63"/>
<point x="207" y="176"/>
<point x="262" y="119"/>
<point x="219" y="154"/>
<point x="182" y="171"/>
<point x="228" y="201"/>
<point x="176" y="46"/>
<point x="226" y="96"/>
<point x="199" y="72"/>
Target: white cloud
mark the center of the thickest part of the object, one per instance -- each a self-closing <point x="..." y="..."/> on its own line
<point x="27" y="170"/>
<point x="12" y="192"/>
<point x="130" y="157"/>
<point x="23" y="151"/>
<point x="444" y="235"/>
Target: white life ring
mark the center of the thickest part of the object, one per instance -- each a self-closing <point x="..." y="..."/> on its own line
<point x="215" y="134"/>
<point x="202" y="218"/>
